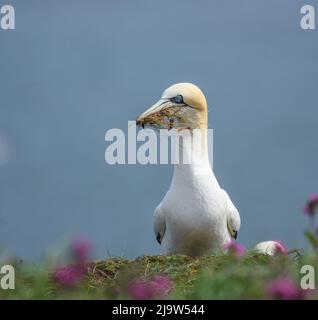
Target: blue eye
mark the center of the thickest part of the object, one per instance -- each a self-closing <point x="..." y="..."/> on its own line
<point x="178" y="99"/>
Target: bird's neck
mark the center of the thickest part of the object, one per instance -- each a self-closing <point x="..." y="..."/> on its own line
<point x="193" y="153"/>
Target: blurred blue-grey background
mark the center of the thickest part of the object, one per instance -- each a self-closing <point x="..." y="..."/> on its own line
<point x="73" y="69"/>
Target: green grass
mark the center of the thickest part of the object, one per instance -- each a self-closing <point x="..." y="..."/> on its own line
<point x="208" y="277"/>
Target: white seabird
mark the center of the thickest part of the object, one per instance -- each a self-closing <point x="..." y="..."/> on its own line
<point x="196" y="216"/>
<point x="270" y="248"/>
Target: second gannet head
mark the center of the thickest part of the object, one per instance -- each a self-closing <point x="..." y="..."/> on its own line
<point x="181" y="106"/>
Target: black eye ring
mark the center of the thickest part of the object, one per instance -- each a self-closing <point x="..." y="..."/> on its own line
<point x="178" y="99"/>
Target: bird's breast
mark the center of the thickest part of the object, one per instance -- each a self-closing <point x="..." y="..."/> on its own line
<point x="196" y="202"/>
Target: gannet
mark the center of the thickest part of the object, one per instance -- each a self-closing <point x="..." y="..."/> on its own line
<point x="270" y="248"/>
<point x="196" y="216"/>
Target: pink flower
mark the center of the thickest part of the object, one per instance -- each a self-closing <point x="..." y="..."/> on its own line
<point x="235" y="248"/>
<point x="285" y="289"/>
<point x="280" y="248"/>
<point x="81" y="249"/>
<point x="157" y="287"/>
<point x="69" y="276"/>
<point x="311" y="205"/>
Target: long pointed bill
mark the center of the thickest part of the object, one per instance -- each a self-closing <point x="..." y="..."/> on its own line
<point x="157" y="107"/>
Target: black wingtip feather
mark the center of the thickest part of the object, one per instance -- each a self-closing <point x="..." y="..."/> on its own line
<point x="158" y="238"/>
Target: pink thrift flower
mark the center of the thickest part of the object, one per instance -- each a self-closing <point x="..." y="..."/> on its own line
<point x="157" y="287"/>
<point x="162" y="284"/>
<point x="69" y="276"/>
<point x="140" y="290"/>
<point x="81" y="249"/>
<point x="285" y="289"/>
<point x="311" y="205"/>
<point x="235" y="248"/>
<point x="280" y="248"/>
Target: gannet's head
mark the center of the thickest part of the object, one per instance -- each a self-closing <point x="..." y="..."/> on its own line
<point x="182" y="106"/>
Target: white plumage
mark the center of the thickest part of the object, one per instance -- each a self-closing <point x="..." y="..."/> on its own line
<point x="196" y="216"/>
<point x="270" y="248"/>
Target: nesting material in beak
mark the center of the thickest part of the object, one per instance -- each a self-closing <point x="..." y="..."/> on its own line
<point x="162" y="114"/>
